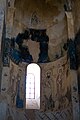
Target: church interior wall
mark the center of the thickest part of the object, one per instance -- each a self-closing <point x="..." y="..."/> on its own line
<point x="55" y="94"/>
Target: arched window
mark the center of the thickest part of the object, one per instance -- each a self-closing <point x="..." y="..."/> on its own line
<point x="33" y="86"/>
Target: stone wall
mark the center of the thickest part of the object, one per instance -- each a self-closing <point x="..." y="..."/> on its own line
<point x="42" y="15"/>
<point x="55" y="91"/>
<point x="56" y="100"/>
<point x="76" y="9"/>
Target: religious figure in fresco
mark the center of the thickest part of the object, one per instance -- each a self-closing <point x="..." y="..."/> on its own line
<point x="25" y="55"/>
<point x="21" y="54"/>
<point x="15" y="56"/>
<point x="77" y="44"/>
<point x="49" y="103"/>
<point x="21" y="36"/>
<point x="43" y="55"/>
<point x="12" y="43"/>
<point x="34" y="18"/>
<point x="5" y="49"/>
<point x="68" y="5"/>
<point x="19" y="101"/>
<point x="72" y="54"/>
<point x="35" y="35"/>
<point x="48" y="91"/>
<point x="59" y="81"/>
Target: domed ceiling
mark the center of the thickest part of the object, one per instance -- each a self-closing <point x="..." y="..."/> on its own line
<point x="42" y="14"/>
<point x="39" y="13"/>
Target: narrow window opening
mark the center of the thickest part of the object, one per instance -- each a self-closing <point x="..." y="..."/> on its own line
<point x="33" y="86"/>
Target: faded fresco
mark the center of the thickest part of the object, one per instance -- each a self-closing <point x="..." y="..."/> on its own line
<point x="55" y="85"/>
<point x="56" y="91"/>
<point x="41" y="15"/>
<point x="17" y="85"/>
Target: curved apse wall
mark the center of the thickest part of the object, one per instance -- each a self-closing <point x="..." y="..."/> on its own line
<point x="42" y="14"/>
<point x="55" y="77"/>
